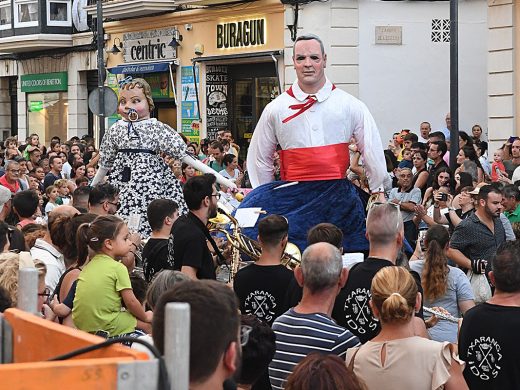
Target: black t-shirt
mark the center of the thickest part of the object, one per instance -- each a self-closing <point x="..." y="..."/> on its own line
<point x="351" y="309"/>
<point x="261" y="290"/>
<point x="489" y="344"/>
<point x="155" y="257"/>
<point x="188" y="246"/>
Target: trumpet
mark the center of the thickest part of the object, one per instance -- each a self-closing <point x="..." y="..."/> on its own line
<point x="243" y="244"/>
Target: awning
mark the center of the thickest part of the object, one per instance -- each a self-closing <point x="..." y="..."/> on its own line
<point x="147" y="67"/>
<point x="228" y="57"/>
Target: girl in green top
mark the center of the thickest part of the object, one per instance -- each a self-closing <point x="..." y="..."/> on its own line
<point x="104" y="284"/>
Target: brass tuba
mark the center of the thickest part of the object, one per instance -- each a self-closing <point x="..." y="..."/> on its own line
<point x="243" y="244"/>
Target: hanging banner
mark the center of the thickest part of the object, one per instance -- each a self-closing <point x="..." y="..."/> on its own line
<point x="216" y="99"/>
<point x="189" y="110"/>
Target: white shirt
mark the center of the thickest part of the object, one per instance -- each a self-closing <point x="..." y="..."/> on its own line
<point x="53" y="260"/>
<point x="333" y="119"/>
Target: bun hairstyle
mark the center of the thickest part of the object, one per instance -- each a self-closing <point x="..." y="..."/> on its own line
<point x="93" y="235"/>
<point x="394" y="293"/>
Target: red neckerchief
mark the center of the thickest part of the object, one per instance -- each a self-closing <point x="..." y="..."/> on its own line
<point x="302" y="107"/>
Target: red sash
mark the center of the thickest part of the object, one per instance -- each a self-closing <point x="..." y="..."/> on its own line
<point x="315" y="163"/>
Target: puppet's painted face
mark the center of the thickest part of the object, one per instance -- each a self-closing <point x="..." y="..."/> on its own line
<point x="133" y="99"/>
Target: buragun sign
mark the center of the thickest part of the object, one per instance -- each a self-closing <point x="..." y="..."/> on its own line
<point x="241" y="34"/>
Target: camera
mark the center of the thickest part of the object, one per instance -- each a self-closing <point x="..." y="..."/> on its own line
<point x="443" y="197"/>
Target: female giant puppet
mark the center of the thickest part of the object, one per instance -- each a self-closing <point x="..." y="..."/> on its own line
<point x="313" y="123"/>
<point x="131" y="149"/>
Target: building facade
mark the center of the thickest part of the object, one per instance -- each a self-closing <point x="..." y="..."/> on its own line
<point x="219" y="72"/>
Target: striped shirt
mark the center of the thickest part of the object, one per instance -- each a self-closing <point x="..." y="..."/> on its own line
<point x="297" y="335"/>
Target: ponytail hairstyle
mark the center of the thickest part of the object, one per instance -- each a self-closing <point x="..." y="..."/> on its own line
<point x="93" y="235"/>
<point x="434" y="277"/>
<point x="394" y="293"/>
<point x="63" y="232"/>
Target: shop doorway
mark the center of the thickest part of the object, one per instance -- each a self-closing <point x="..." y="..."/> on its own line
<point x="252" y="87"/>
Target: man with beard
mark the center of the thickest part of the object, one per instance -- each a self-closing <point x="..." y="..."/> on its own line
<point x="215" y="334"/>
<point x="476" y="239"/>
<point x="187" y="248"/>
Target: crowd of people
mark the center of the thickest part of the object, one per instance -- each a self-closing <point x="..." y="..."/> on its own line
<point x="99" y="277"/>
<point x="432" y="303"/>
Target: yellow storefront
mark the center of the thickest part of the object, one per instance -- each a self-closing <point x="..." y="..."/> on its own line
<point x="235" y="53"/>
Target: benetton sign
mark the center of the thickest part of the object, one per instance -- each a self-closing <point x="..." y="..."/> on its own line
<point x="241" y="34"/>
<point x="44" y="82"/>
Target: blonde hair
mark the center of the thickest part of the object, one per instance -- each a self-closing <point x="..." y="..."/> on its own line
<point x="61" y="183"/>
<point x="143" y="84"/>
<point x="9" y="266"/>
<point x="394" y="293"/>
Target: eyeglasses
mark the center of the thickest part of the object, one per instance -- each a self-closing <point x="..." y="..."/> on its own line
<point x="116" y="205"/>
<point x="14" y="170"/>
<point x="245" y="330"/>
<point x="46" y="293"/>
<point x="394" y="205"/>
<point x="217" y="195"/>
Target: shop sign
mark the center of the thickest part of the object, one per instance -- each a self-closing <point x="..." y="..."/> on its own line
<point x="244" y="33"/>
<point x="35" y="106"/>
<point x="44" y="82"/>
<point x="189" y="109"/>
<point x="389" y="35"/>
<point x="216" y="99"/>
<point x="150" y="45"/>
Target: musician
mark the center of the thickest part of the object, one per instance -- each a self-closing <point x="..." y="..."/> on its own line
<point x="261" y="287"/>
<point x="189" y="242"/>
<point x="313" y="122"/>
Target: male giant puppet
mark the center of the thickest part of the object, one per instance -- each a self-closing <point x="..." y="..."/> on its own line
<point x="313" y="123"/>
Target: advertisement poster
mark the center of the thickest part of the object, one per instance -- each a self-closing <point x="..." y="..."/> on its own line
<point x="189" y="111"/>
<point x="216" y="99"/>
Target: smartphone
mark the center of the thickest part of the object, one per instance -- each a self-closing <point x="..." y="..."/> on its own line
<point x="512" y="139"/>
<point x="422" y="234"/>
<point x="443" y="197"/>
<point x="497" y="170"/>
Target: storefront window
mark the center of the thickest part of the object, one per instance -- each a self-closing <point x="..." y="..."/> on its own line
<point x="5" y="14"/>
<point x="26" y="13"/>
<point x="47" y="115"/>
<point x="59" y="13"/>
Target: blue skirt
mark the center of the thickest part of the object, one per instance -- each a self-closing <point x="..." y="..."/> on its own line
<point x="306" y="204"/>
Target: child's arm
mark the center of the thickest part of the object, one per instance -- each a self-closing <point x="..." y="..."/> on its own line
<point x="134" y="306"/>
<point x="60" y="309"/>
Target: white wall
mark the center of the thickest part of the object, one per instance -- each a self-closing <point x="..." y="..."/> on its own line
<point x="406" y="84"/>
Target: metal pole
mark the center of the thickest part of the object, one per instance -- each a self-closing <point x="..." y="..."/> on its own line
<point x="454" y="83"/>
<point x="28" y="290"/>
<point x="177" y="344"/>
<point x="101" y="67"/>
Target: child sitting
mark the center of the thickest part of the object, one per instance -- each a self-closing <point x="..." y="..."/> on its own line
<point x="52" y="199"/>
<point x="63" y="190"/>
<point x="498" y="164"/>
<point x="406" y="162"/>
<point x="104" y="284"/>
